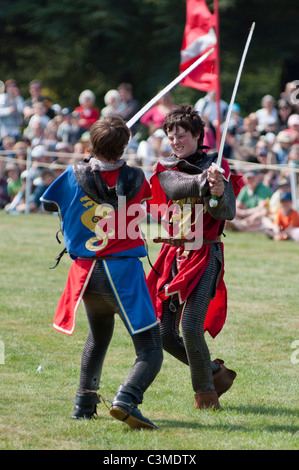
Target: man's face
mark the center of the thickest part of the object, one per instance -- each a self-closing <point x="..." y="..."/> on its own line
<point x="182" y="142"/>
<point x="252" y="182"/>
<point x="35" y="90"/>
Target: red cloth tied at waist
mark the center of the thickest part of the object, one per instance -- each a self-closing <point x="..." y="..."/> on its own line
<point x="78" y="277"/>
<point x="190" y="272"/>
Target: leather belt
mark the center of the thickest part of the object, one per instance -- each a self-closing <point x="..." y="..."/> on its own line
<point x="102" y="257"/>
<point x="182" y="241"/>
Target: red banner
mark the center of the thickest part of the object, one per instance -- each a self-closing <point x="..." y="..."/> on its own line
<point x="200" y="35"/>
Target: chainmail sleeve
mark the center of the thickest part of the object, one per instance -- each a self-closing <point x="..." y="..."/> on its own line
<point x="226" y="209"/>
<point x="179" y="185"/>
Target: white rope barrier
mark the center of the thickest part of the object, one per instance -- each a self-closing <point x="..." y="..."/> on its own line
<point x="240" y="166"/>
<point x="234" y="163"/>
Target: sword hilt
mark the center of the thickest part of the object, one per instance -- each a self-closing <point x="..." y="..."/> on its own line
<point x="213" y="202"/>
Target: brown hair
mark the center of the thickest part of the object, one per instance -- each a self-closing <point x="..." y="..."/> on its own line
<point x="109" y="137"/>
<point x="186" y="117"/>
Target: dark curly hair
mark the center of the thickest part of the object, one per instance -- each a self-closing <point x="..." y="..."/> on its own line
<point x="186" y="117"/>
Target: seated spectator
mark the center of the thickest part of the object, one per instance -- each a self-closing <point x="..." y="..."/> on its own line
<point x="236" y="121"/>
<point x="11" y="110"/>
<point x="244" y="144"/>
<point x="47" y="177"/>
<point x="79" y="150"/>
<point x="64" y="152"/>
<point x="85" y="142"/>
<point x="207" y="106"/>
<point x="35" y="90"/>
<point x="286" y="222"/>
<point x="50" y="135"/>
<point x="4" y="197"/>
<point x="281" y="147"/>
<point x="165" y="149"/>
<point x="267" y="115"/>
<point x="20" y="148"/>
<point x="293" y="127"/>
<point x="294" y="154"/>
<point x="251" y="204"/>
<point x="40" y="160"/>
<point x="69" y="131"/>
<point x="112" y="101"/>
<point x="130" y="152"/>
<point x="17" y="205"/>
<point x="294" y="160"/>
<point x="265" y="156"/>
<point x="285" y="109"/>
<point x="8" y="143"/>
<point x="56" y="108"/>
<point x="283" y="185"/>
<point x="13" y="180"/>
<point x="149" y="151"/>
<point x="154" y="118"/>
<point x="39" y="115"/>
<point x="209" y="139"/>
<point x="35" y="134"/>
<point x="129" y="105"/>
<point x="88" y="112"/>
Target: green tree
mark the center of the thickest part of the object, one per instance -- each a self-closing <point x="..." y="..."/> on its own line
<point x="76" y="44"/>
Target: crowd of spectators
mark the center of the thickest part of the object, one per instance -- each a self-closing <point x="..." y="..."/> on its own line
<point x="263" y="146"/>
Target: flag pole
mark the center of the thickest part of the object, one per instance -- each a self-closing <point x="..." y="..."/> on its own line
<point x="218" y="86"/>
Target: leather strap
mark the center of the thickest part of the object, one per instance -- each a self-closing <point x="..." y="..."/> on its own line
<point x="180" y="242"/>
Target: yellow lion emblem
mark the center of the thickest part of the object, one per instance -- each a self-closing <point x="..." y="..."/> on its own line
<point x="98" y="218"/>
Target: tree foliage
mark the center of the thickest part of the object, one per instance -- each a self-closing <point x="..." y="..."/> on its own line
<point x="76" y="44"/>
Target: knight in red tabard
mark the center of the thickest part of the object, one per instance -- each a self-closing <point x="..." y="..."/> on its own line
<point x="187" y="285"/>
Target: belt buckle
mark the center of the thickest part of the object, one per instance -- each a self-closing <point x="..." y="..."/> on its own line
<point x="183" y="256"/>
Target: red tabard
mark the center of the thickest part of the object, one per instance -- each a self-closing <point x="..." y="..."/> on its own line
<point x="192" y="267"/>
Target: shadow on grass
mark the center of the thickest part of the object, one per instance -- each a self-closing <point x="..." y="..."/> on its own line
<point x="272" y="411"/>
<point x="264" y="410"/>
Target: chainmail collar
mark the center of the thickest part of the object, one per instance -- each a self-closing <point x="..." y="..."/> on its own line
<point x="195" y="158"/>
<point x="100" y="165"/>
<point x="193" y="164"/>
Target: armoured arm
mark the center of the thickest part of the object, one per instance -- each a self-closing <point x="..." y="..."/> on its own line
<point x="226" y="209"/>
<point x="179" y="185"/>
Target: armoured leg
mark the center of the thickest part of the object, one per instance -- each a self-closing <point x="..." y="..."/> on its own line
<point x="148" y="347"/>
<point x="173" y="343"/>
<point x="169" y="327"/>
<point x="100" y="305"/>
<point x="192" y="324"/>
<point x="94" y="352"/>
<point x="193" y="339"/>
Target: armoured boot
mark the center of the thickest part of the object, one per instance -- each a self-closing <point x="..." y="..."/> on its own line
<point x="124" y="408"/>
<point x="85" y="405"/>
<point x="206" y="400"/>
<point x="223" y="379"/>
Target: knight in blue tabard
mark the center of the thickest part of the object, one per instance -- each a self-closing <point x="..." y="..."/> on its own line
<point x="97" y="201"/>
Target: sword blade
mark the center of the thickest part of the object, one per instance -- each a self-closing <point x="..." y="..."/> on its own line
<point x="165" y="90"/>
<point x="227" y="121"/>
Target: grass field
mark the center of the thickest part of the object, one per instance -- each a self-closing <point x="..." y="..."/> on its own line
<point x="39" y="370"/>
